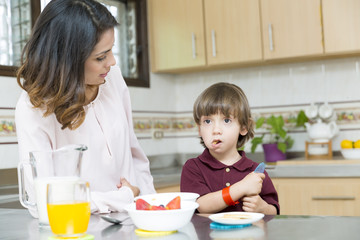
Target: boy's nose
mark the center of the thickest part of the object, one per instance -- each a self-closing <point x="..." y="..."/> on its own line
<point x="217" y="129"/>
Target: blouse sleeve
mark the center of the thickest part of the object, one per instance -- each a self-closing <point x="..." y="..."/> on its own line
<point x="31" y="135"/>
<point x="141" y="162"/>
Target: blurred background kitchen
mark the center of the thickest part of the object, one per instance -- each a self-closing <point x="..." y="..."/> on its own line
<point x="287" y="56"/>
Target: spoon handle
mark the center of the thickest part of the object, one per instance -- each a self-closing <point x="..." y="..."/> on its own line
<point x="111" y="220"/>
<point x="260" y="168"/>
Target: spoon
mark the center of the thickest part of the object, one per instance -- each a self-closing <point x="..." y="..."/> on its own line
<point x="111" y="220"/>
<point x="260" y="168"/>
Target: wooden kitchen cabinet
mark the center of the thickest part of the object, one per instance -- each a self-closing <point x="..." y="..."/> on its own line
<point x="291" y="29"/>
<point x="341" y="20"/>
<point x="318" y="196"/>
<point x="233" y="32"/>
<point x="176" y="34"/>
<point x="194" y="35"/>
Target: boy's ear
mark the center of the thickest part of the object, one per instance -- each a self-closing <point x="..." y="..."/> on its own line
<point x="198" y="126"/>
<point x="243" y="131"/>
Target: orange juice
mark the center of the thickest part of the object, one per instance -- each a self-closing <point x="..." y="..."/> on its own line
<point x="69" y="218"/>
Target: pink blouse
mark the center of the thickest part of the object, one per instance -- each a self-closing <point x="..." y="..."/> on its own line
<point x="113" y="149"/>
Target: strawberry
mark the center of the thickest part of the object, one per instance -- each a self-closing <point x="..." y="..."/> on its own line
<point x="174" y="204"/>
<point x="161" y="207"/>
<point x="141" y="204"/>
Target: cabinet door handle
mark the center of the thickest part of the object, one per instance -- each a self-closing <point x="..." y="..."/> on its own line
<point x="193" y="41"/>
<point x="213" y="43"/>
<point x="333" y="198"/>
<point x="271" y="38"/>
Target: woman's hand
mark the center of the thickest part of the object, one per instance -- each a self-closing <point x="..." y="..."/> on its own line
<point x="124" y="182"/>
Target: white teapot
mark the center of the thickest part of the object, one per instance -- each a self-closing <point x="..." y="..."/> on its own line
<point x="320" y="131"/>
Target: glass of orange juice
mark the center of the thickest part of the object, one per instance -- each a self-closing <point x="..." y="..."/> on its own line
<point x="68" y="206"/>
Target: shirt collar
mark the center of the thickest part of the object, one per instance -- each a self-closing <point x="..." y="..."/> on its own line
<point x="241" y="165"/>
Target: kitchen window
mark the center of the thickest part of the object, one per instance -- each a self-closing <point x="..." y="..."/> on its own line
<point x="131" y="44"/>
<point x="131" y="48"/>
<point x="16" y="20"/>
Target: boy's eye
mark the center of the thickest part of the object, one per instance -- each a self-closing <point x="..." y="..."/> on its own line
<point x="207" y="121"/>
<point x="227" y="120"/>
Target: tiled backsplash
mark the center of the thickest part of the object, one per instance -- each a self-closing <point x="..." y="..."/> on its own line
<point x="282" y="88"/>
<point x="347" y="116"/>
<point x="166" y="106"/>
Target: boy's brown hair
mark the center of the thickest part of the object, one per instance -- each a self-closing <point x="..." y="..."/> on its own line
<point x="228" y="99"/>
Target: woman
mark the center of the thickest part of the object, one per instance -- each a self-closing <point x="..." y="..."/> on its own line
<point x="74" y="94"/>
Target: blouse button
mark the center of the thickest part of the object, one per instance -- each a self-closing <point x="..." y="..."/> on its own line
<point x="227" y="184"/>
<point x="227" y="169"/>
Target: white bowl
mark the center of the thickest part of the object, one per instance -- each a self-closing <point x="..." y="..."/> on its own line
<point x="164" y="198"/>
<point x="162" y="220"/>
<point x="351" y="153"/>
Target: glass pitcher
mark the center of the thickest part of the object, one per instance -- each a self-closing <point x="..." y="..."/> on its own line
<point x="45" y="167"/>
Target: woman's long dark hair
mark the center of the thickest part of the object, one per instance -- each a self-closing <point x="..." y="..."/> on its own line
<point x="52" y="64"/>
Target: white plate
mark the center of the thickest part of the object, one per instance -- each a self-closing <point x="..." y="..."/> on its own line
<point x="234" y="219"/>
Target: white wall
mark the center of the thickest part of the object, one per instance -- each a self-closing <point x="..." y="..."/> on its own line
<point x="285" y="84"/>
<point x="9" y="91"/>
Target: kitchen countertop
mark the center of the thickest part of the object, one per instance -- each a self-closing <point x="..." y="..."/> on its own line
<point x="298" y="168"/>
<point x="18" y="224"/>
<point x="165" y="177"/>
<point x="293" y="168"/>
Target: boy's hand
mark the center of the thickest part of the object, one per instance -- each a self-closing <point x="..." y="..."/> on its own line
<point x="257" y="204"/>
<point x="252" y="183"/>
<point x="254" y="204"/>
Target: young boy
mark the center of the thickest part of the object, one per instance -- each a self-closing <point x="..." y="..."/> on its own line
<point x="223" y="176"/>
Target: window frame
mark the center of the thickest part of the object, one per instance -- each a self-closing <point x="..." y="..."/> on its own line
<point x="10" y="71"/>
<point x="143" y="79"/>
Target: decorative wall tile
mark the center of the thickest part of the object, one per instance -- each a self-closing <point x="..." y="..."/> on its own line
<point x="167" y="124"/>
<point x="348" y="116"/>
<point x="184" y="124"/>
<point x="7" y="126"/>
<point x="142" y="124"/>
<point x="163" y="124"/>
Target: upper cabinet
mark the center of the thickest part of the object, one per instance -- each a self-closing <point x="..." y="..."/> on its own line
<point x="291" y="28"/>
<point x="341" y="21"/>
<point x="177" y="28"/>
<point x="189" y="35"/>
<point x="176" y="34"/>
<point x="233" y="32"/>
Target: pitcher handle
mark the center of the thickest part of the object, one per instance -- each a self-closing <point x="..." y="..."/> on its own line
<point x="22" y="193"/>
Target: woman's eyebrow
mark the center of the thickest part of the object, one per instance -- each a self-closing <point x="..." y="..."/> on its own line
<point x="101" y="53"/>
